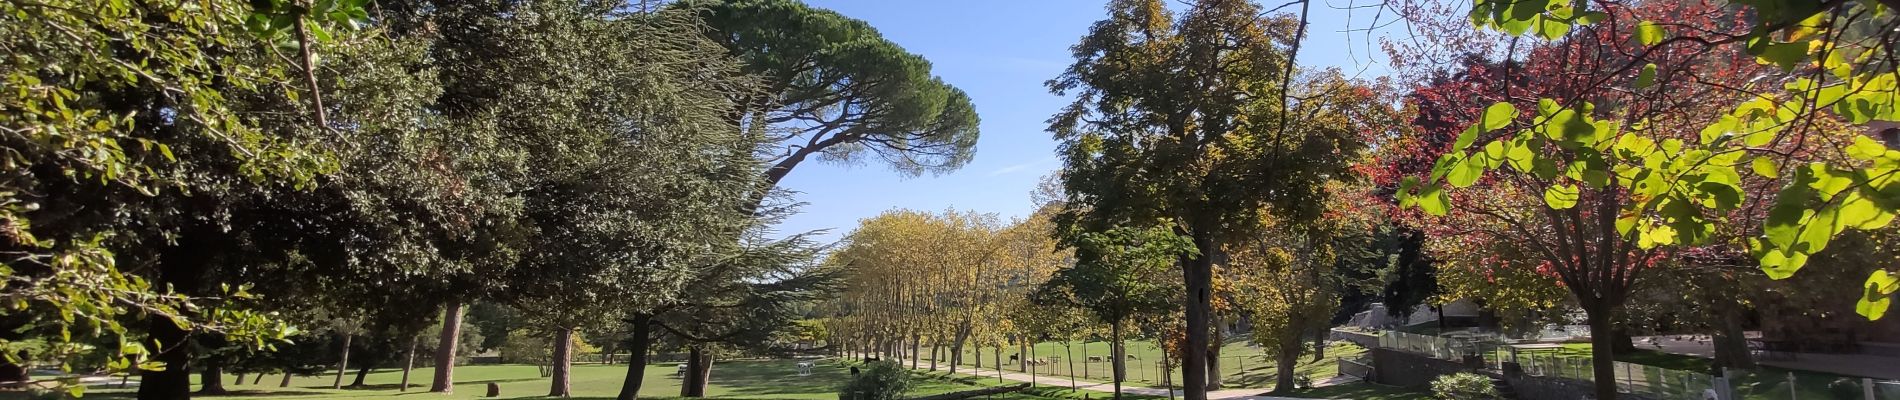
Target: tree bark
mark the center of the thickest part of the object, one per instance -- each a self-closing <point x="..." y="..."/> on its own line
<point x="342" y="364"/>
<point x="1115" y="355"/>
<point x="698" y="372"/>
<point x="1283" y="370"/>
<point x="1216" y="338"/>
<point x="257" y="378"/>
<point x="180" y="269"/>
<point x="239" y="380"/>
<point x="915" y="340"/>
<point x="211" y="379"/>
<point x="445" y="348"/>
<point x="362" y="373"/>
<point x="1319" y="343"/>
<point x="408" y="363"/>
<point x="563" y="360"/>
<point x="636" y="357"/>
<point x="1602" y="351"/>
<point x="1069" y="353"/>
<point x="1731" y="347"/>
<point x="1197" y="273"/>
<point x="936" y="344"/>
<point x="1022" y="354"/>
<point x="286" y="381"/>
<point x="999" y="362"/>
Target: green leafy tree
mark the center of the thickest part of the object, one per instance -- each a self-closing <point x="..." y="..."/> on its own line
<point x="1626" y="175"/>
<point x="836" y="89"/>
<point x="1184" y="121"/>
<point x="1118" y="275"/>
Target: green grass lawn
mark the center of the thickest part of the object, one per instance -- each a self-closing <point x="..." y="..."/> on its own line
<point x="1242" y="365"/>
<point x="1358" y="391"/>
<point x="775" y="379"/>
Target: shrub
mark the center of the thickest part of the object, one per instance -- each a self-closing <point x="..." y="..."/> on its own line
<point x="1464" y="386"/>
<point x="877" y="380"/>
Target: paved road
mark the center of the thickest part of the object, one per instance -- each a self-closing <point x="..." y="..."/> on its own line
<point x="1228" y="394"/>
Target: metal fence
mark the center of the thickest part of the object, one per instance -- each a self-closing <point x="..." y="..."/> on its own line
<point x="1646" y="380"/>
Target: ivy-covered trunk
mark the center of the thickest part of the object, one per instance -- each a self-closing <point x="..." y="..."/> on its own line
<point x="637" y="344"/>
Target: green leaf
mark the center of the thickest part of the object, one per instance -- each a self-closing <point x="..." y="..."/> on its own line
<point x="1765" y="167"/>
<point x="1648" y="33"/>
<point x="1498" y="116"/>
<point x="1465" y="138"/>
<point x="1561" y="196"/>
<point x="1784" y="55"/>
<point x="1465" y="172"/>
<point x="1877" y="294"/>
<point x="1592" y="17"/>
<point x="1552" y="28"/>
<point x="1860" y="212"/>
<point x="1432" y="199"/>
<point x="1647" y="77"/>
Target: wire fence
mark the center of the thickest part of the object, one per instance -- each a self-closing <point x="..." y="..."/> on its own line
<point x="1639" y="379"/>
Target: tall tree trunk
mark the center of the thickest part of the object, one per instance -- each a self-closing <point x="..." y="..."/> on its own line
<point x="1216" y="339"/>
<point x="637" y="344"/>
<point x="445" y="348"/>
<point x="1197" y="273"/>
<point x="563" y="360"/>
<point x="698" y="372"/>
<point x="259" y="377"/>
<point x="1022" y="354"/>
<point x="1602" y="350"/>
<point x="343" y="363"/>
<point x="1069" y="353"/>
<point x="211" y="379"/>
<point x="979" y="360"/>
<point x="408" y="363"/>
<point x="362" y="373"/>
<point x="286" y="381"/>
<point x="936" y="344"/>
<point x="179" y="268"/>
<point x="1283" y="369"/>
<point x="1115" y="353"/>
<point x="999" y="362"/>
<point x="1319" y="342"/>
<point x="915" y="340"/>
<point x="239" y="380"/>
<point x="1731" y="347"/>
<point x="1085" y="359"/>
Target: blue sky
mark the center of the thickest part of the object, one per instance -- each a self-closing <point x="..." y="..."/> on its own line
<point x="1001" y="52"/>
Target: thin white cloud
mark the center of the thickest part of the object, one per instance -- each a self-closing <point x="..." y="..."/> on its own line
<point x="1020" y="167"/>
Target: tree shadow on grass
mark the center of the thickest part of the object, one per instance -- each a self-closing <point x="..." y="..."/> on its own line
<point x="776" y="377"/>
<point x="1356" y="390"/>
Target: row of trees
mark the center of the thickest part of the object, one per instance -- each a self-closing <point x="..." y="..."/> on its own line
<point x="193" y="186"/>
<point x="1545" y="154"/>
